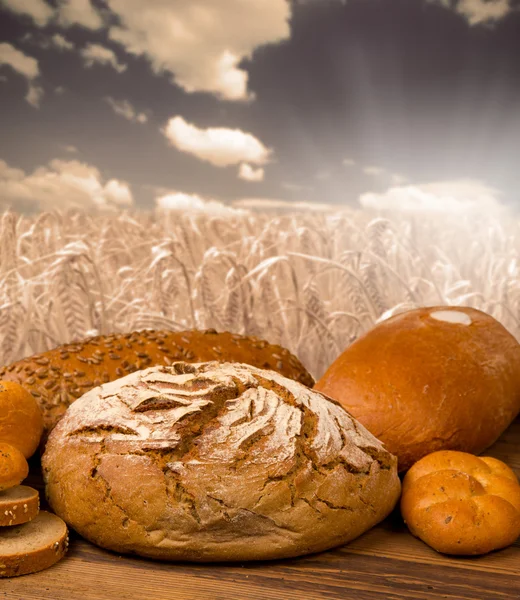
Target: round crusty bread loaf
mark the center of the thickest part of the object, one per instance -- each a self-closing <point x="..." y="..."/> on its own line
<point x="57" y="377"/>
<point x="18" y="505"/>
<point x="440" y="378"/>
<point x="33" y="546"/>
<point x="215" y="462"/>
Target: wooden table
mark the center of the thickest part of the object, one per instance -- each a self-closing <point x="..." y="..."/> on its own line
<point x="385" y="563"/>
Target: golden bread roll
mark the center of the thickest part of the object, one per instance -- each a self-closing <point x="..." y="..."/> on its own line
<point x="21" y="421"/>
<point x="461" y="504"/>
<point x="13" y="466"/>
<point x="58" y="377"/>
<point x="440" y="378"/>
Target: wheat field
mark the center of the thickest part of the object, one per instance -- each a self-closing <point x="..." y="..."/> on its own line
<point x="310" y="281"/>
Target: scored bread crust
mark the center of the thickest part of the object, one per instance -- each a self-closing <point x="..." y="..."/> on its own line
<point x="33" y="546"/>
<point x="18" y="505"/>
<point x="58" y="377"/>
<point x="215" y="462"/>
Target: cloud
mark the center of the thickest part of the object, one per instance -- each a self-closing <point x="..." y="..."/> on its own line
<point x="201" y="43"/>
<point x="71" y="149"/>
<point x="348" y="162"/>
<point x="479" y="12"/>
<point x="181" y="202"/>
<point x="249" y="173"/>
<point x="442" y="196"/>
<point x="61" y="42"/>
<point x="79" y="12"/>
<point x="217" y="145"/>
<point x="38" y="10"/>
<point x="96" y="53"/>
<point x="34" y="95"/>
<point x="27" y="66"/>
<point x="374" y="171"/>
<point x="124" y="109"/>
<point x="60" y="185"/>
<point x="17" y="60"/>
<point x="274" y="204"/>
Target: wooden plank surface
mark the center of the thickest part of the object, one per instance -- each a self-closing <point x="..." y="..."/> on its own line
<point x="385" y="563"/>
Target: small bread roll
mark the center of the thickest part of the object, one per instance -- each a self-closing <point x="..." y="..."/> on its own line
<point x="13" y="466"/>
<point x="458" y="503"/>
<point x="21" y="421"/>
<point x="441" y="378"/>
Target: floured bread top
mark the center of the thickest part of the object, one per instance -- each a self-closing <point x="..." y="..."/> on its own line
<point x="451" y="316"/>
<point x="221" y="413"/>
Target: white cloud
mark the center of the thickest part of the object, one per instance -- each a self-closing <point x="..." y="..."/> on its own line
<point x="201" y="43"/>
<point x="374" y="171"/>
<point x="249" y="173"/>
<point x="479" y="12"/>
<point x="96" y="53"/>
<point x="348" y="162"/>
<point x="398" y="179"/>
<point x="181" y="202"/>
<point x="71" y="149"/>
<point x="27" y="66"/>
<point x="442" y="196"/>
<point x="118" y="193"/>
<point x="79" y="12"/>
<point x="61" y="42"/>
<point x="38" y="10"/>
<point x="217" y="145"/>
<point x="17" y="60"/>
<point x="62" y="184"/>
<point x="124" y="109"/>
<point x="34" y="95"/>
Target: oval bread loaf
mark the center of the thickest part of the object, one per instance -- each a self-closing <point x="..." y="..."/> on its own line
<point x="58" y="377"/>
<point x="462" y="504"/>
<point x="215" y="462"/>
<point x="441" y="378"/>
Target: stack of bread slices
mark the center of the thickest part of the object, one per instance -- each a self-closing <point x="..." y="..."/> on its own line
<point x="30" y="540"/>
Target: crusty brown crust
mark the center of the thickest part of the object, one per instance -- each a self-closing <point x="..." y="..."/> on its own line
<point x="36" y="559"/>
<point x="215" y="462"/>
<point x="58" y="377"/>
<point x="420" y="384"/>
<point x="18" y="505"/>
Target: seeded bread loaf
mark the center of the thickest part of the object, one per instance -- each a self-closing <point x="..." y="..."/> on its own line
<point x="57" y="377"/>
<point x="33" y="546"/>
<point x="215" y="462"/>
<point x="18" y="505"/>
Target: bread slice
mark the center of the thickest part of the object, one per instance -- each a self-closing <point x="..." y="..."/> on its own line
<point x="33" y="546"/>
<point x="18" y="505"/>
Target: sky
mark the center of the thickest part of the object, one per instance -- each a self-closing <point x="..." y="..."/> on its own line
<point x="115" y="104"/>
